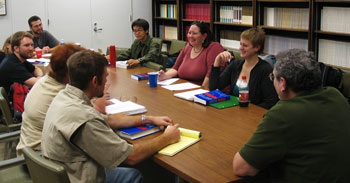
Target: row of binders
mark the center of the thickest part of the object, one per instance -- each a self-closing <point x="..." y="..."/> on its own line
<point x="236" y="14"/>
<point x="168" y="10"/>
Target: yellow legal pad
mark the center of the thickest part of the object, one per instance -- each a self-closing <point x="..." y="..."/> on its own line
<point x="188" y="137"/>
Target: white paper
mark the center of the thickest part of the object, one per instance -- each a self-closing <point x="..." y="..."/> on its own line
<point x="181" y="86"/>
<point x="127" y="108"/>
<point x="47" y="55"/>
<point x="189" y="95"/>
<point x="44" y="61"/>
<point x="121" y="64"/>
<point x="167" y="81"/>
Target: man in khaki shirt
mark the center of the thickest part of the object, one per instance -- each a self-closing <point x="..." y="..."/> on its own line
<point x="82" y="139"/>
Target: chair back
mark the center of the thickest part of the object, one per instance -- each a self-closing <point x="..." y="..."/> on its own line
<point x="43" y="170"/>
<point x="176" y="46"/>
<point x="6" y="115"/>
<point x="160" y="63"/>
<point x="346" y="83"/>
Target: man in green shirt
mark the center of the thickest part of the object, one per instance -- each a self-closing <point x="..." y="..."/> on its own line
<point x="305" y="136"/>
<point x="144" y="48"/>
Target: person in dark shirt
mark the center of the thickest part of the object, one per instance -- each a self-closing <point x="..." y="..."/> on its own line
<point x="15" y="67"/>
<point x="42" y="39"/>
<point x="305" y="136"/>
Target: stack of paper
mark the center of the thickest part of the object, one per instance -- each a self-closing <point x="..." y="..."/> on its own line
<point x="187" y="138"/>
<point x="126" y="108"/>
<point x="121" y="64"/>
<point x="181" y="86"/>
<point x="40" y="62"/>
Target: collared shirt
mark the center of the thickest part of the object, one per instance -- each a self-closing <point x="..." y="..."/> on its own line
<point x="79" y="137"/>
<point x="304" y="139"/>
<point x="149" y="50"/>
<point x="40" y="96"/>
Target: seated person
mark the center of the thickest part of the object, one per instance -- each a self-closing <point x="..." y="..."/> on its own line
<point x="15" y="67"/>
<point x="41" y="96"/>
<point x="256" y="70"/>
<point x="305" y="136"/>
<point x="144" y="48"/>
<point x="42" y="39"/>
<point x="82" y="139"/>
<point x="197" y="57"/>
<point x="6" y="49"/>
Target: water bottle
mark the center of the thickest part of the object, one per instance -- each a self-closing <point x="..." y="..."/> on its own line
<point x="243" y="92"/>
<point x="62" y="42"/>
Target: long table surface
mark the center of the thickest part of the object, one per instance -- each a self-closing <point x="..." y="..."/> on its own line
<point x="224" y="131"/>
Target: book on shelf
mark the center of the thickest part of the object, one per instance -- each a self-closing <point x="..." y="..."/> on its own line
<point x="211" y="97"/>
<point x="167" y="32"/>
<point x="197" y="11"/>
<point x="139" y="77"/>
<point x="297" y="18"/>
<point x="126" y="108"/>
<point x="189" y="95"/>
<point x="236" y="14"/>
<point x="187" y="138"/>
<point x="168" y="10"/>
<point x="121" y="64"/>
<point x="138" y="131"/>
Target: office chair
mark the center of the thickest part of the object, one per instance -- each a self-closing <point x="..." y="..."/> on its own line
<point x="13" y="170"/>
<point x="43" y="170"/>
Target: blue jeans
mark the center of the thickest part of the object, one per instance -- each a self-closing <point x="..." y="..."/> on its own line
<point x="123" y="175"/>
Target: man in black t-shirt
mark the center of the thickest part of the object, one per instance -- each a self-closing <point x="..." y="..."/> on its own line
<point x="15" y="67"/>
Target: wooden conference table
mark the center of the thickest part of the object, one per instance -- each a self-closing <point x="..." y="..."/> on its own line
<point x="224" y="131"/>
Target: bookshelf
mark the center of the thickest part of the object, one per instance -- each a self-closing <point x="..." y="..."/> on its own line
<point x="321" y="26"/>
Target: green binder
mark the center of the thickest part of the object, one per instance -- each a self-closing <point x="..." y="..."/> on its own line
<point x="228" y="103"/>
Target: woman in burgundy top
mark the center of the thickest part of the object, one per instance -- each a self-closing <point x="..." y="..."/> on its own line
<point x="195" y="60"/>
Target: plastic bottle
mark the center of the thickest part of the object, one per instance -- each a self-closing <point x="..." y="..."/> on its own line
<point x="62" y="42"/>
<point x="243" y="92"/>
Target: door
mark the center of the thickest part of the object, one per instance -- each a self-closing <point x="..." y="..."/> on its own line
<point x="114" y="18"/>
<point x="74" y="21"/>
<point x="70" y="21"/>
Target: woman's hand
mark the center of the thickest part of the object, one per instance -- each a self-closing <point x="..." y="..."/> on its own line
<point x="222" y="57"/>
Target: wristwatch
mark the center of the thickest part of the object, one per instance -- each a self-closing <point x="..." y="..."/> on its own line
<point x="143" y="118"/>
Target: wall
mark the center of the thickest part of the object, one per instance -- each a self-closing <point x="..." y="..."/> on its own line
<point x="18" y="12"/>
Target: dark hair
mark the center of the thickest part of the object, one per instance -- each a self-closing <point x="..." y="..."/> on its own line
<point x="58" y="63"/>
<point x="33" y="19"/>
<point x="299" y="69"/>
<point x="141" y="23"/>
<point x="83" y="66"/>
<point x="17" y="38"/>
<point x="256" y="36"/>
<point x="204" y="29"/>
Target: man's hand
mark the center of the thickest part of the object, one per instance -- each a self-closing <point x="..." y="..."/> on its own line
<point x="45" y="50"/>
<point x="132" y="62"/>
<point x="160" y="120"/>
<point x="101" y="103"/>
<point x="172" y="133"/>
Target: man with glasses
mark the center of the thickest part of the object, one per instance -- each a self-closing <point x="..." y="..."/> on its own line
<point x="42" y="38"/>
<point x="144" y="48"/>
<point x="305" y="136"/>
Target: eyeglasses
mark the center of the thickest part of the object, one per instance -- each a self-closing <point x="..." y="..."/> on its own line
<point x="137" y="31"/>
<point x="272" y="76"/>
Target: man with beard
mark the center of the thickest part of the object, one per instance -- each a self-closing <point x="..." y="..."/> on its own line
<point x="42" y="38"/>
<point x="15" y="67"/>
